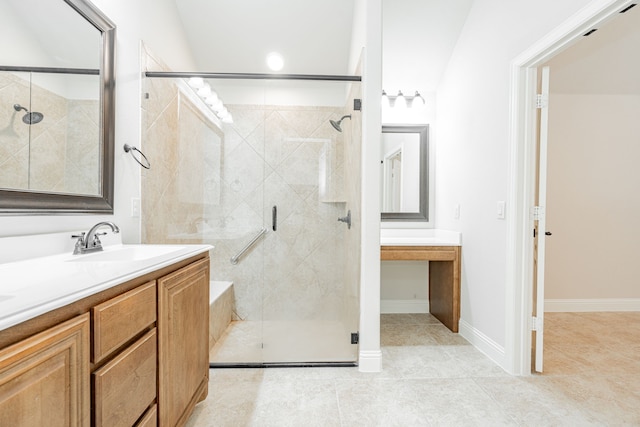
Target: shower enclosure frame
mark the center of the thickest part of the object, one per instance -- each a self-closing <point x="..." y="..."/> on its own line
<point x="261" y="76"/>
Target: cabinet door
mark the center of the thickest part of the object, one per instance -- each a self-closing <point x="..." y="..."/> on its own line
<point x="44" y="380"/>
<point x="183" y="327"/>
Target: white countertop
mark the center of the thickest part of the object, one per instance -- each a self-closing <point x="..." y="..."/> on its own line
<point x="31" y="287"/>
<point x="419" y="237"/>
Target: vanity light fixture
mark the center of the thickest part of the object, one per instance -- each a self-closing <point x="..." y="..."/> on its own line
<point x="196" y="82"/>
<point x="204" y="91"/>
<point x="418" y="100"/>
<point x="401" y="100"/>
<point x="385" y="100"/>
<point x="210" y="98"/>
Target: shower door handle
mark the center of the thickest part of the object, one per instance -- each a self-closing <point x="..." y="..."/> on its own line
<point x="274" y="218"/>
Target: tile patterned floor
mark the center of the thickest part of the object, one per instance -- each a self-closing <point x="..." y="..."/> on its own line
<point x="432" y="377"/>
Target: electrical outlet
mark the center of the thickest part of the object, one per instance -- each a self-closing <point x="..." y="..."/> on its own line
<point x="135" y="207"/>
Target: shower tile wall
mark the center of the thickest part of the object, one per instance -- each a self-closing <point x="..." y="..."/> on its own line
<point x="271" y="155"/>
<point x="61" y="153"/>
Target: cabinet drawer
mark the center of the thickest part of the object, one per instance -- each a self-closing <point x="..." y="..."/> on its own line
<point x="120" y="319"/>
<point x="126" y="386"/>
<point x="150" y="419"/>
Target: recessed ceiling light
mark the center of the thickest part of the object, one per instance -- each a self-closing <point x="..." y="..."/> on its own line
<point x="275" y="62"/>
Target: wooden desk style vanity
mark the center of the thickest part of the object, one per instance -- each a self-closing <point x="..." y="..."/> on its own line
<point x="444" y="275"/>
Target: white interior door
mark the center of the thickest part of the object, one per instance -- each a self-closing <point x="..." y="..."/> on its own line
<point x="541" y="221"/>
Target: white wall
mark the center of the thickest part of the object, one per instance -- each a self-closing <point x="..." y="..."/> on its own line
<point x="592" y="197"/>
<point x="367" y="38"/>
<point x="472" y="147"/>
<point x="163" y="33"/>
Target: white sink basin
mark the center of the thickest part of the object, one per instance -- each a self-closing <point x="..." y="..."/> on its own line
<point x="126" y="253"/>
<point x="53" y="277"/>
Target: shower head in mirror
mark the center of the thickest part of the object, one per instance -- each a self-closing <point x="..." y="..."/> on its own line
<point x="31" y="118"/>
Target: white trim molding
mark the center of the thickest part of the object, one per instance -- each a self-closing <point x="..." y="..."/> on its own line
<point x="486" y="345"/>
<point x="587" y="305"/>
<point x="370" y="361"/>
<point x="390" y="306"/>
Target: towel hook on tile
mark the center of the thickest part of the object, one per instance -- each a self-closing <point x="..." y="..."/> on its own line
<point x="130" y="149"/>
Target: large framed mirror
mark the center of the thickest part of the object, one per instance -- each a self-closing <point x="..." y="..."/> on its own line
<point x="404" y="159"/>
<point x="56" y="108"/>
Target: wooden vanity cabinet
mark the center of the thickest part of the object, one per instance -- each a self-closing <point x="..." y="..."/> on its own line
<point x="136" y="354"/>
<point x="183" y="324"/>
<point x="44" y="379"/>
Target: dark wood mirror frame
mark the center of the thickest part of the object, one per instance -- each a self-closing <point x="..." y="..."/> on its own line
<point x="423" y="214"/>
<point x="13" y="202"/>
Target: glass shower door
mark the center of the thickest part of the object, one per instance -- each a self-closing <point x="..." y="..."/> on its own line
<point x="306" y="301"/>
<point x="266" y="190"/>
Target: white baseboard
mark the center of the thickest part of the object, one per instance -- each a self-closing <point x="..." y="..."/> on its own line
<point x="483" y="343"/>
<point x="389" y="306"/>
<point x="586" y="305"/>
<point x="370" y="361"/>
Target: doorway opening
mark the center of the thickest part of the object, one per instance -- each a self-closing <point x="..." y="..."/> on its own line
<point x="523" y="170"/>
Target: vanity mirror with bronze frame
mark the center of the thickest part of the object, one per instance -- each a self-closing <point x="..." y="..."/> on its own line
<point x="57" y="119"/>
<point x="404" y="159"/>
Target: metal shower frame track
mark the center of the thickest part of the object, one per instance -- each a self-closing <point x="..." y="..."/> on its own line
<point x="252" y="76"/>
<point x="50" y="70"/>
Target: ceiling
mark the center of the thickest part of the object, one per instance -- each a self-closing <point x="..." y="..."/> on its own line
<point x="606" y="62"/>
<point x="314" y="36"/>
<point x="418" y="37"/>
<point x="235" y="36"/>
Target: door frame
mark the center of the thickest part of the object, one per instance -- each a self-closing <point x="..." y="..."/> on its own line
<point x="522" y="174"/>
<point x="389" y="181"/>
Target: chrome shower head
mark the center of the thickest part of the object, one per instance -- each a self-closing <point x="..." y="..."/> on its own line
<point x="31" y="118"/>
<point x="336" y="125"/>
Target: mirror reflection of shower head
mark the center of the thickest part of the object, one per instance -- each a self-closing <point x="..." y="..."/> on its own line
<point x="336" y="125"/>
<point x="31" y="118"/>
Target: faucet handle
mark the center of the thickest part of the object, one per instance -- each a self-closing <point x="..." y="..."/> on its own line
<point x="79" y="242"/>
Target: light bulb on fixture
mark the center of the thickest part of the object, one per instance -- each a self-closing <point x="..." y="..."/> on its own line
<point x="204" y="91"/>
<point x="217" y="106"/>
<point x="226" y="118"/>
<point x="418" y="100"/>
<point x="196" y="82"/>
<point x="212" y="98"/>
<point x="385" y="99"/>
<point x="401" y="101"/>
<point x="223" y="113"/>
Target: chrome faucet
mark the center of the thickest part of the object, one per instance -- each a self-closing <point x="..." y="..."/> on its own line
<point x="92" y="243"/>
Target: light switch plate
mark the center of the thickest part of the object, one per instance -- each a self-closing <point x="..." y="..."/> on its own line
<point x="500" y="211"/>
<point x="135" y="207"/>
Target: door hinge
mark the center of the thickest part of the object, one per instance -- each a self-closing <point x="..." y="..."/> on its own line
<point x="537" y="212"/>
<point x="542" y="101"/>
<point x="355" y="337"/>
<point x="536" y="324"/>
